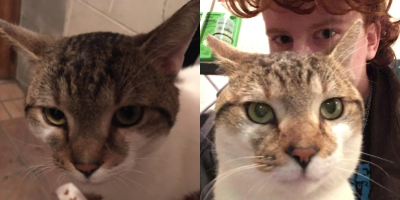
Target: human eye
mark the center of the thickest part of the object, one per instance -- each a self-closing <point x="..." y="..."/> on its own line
<point x="282" y="39"/>
<point x="325" y="34"/>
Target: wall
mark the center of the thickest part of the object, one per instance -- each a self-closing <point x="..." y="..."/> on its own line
<point x="70" y="17"/>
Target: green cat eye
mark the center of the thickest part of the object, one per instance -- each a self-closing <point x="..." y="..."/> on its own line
<point x="332" y="108"/>
<point x="260" y="113"/>
<point x="128" y="116"/>
<point x="54" y="117"/>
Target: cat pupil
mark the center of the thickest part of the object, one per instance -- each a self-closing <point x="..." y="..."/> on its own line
<point x="128" y="112"/>
<point x="330" y="107"/>
<point x="56" y="114"/>
<point x="260" y="110"/>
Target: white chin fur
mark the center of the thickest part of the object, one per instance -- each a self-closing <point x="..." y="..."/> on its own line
<point x="324" y="179"/>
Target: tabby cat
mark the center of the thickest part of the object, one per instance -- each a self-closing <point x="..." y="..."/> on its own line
<point x="288" y="126"/>
<point x="118" y="117"/>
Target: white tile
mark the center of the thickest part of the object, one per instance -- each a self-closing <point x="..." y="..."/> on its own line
<point x="172" y="6"/>
<point x="207" y="93"/>
<point x="85" y="19"/>
<point x="139" y="15"/>
<point x="101" y="5"/>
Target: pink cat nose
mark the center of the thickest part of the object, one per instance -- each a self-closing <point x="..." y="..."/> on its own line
<point x="303" y="155"/>
<point x="87" y="170"/>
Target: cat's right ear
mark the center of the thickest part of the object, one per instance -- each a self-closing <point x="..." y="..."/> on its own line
<point x="228" y="56"/>
<point x="24" y="41"/>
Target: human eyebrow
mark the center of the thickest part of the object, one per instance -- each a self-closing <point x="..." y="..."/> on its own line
<point x="276" y="31"/>
<point x="325" y="23"/>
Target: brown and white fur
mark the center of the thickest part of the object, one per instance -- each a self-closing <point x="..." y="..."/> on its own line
<point x="89" y="77"/>
<point x="254" y="160"/>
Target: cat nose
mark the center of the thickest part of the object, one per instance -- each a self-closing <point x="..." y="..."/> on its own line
<point x="303" y="155"/>
<point x="87" y="170"/>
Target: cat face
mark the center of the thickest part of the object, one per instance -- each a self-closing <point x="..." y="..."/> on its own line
<point x="102" y="101"/>
<point x="294" y="120"/>
<point x="96" y="103"/>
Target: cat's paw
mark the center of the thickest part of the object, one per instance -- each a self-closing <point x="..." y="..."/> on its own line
<point x="69" y="191"/>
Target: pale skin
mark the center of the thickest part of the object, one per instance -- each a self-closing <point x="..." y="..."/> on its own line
<point x="318" y="32"/>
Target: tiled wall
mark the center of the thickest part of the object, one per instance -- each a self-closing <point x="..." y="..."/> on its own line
<point x="71" y="17"/>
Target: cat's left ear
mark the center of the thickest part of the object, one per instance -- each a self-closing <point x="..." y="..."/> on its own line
<point x="24" y="41"/>
<point x="166" y="45"/>
<point x="345" y="48"/>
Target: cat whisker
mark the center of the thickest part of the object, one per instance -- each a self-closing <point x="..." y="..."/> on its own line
<point x="263" y="184"/>
<point x="36" y="174"/>
<point x="58" y="181"/>
<point x="350" y="54"/>
<point x="357" y="66"/>
<point x="148" y="158"/>
<point x="371" y="164"/>
<point x="241" y="158"/>
<point x="32" y="145"/>
<point x="224" y="176"/>
<point x="140" y="186"/>
<point x="29" y="170"/>
<point x="329" y="72"/>
<point x="365" y="177"/>
<point x="138" y="171"/>
<point x="123" y="182"/>
<point x="352" y="188"/>
<point x="372" y="156"/>
<point x="351" y="46"/>
<point x="39" y="158"/>
<point x="361" y="40"/>
<point x="44" y="173"/>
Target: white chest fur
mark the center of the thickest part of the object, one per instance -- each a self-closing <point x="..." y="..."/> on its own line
<point x="173" y="170"/>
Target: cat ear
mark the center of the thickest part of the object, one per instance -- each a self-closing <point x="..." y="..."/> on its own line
<point x="23" y="40"/>
<point x="228" y="56"/>
<point x="166" y="45"/>
<point x="344" y="50"/>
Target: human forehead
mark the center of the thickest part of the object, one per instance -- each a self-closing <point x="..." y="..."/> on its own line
<point x="283" y="19"/>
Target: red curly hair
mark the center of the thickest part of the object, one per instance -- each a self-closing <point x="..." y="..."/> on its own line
<point x="373" y="11"/>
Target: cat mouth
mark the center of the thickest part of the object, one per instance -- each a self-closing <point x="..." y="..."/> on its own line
<point x="91" y="182"/>
<point x="300" y="179"/>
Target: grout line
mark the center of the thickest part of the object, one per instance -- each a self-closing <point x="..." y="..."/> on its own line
<point x="15" y="147"/>
<point x="109" y="18"/>
<point x="6" y="81"/>
<point x="23" y="162"/>
<point x="68" y="18"/>
<point x="111" y="6"/>
<point x="9" y="115"/>
<point x="163" y="11"/>
<point x="14" y="99"/>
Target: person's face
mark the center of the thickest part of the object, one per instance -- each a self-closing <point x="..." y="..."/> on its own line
<point x="318" y="32"/>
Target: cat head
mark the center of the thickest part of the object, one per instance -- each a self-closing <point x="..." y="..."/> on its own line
<point x="101" y="100"/>
<point x="297" y="117"/>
